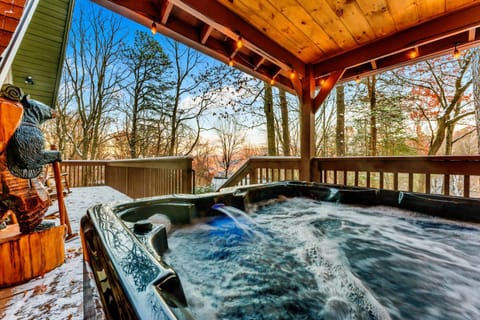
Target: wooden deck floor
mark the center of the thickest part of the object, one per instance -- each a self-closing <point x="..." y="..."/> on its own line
<point x="60" y="293"/>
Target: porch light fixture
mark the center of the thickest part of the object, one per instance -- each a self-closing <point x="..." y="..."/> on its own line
<point x="456" y="52"/>
<point x="357" y="79"/>
<point x="322" y="82"/>
<point x="239" y="43"/>
<point x="153" y="28"/>
<point x="29" y="80"/>
<point x="293" y="74"/>
<point x="230" y="62"/>
<point x="413" y="53"/>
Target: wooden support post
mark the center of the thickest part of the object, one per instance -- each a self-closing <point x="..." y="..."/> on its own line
<point x="309" y="104"/>
<point x="64" y="220"/>
<point x="307" y="126"/>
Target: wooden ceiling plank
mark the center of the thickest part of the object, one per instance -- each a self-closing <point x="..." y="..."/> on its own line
<point x="441" y="27"/>
<point x="226" y="22"/>
<point x="430" y="8"/>
<point x="404" y="13"/>
<point x="274" y="25"/>
<point x="303" y="20"/>
<point x="378" y="16"/>
<point x="165" y="11"/>
<point x="354" y="20"/>
<point x="329" y="23"/>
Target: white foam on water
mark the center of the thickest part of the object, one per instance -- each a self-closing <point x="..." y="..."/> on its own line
<point x="332" y="272"/>
<point x="159" y="218"/>
<point x="315" y="234"/>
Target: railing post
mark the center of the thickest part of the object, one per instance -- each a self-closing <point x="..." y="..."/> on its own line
<point x="466" y="186"/>
<point x="253" y="175"/>
<point x="315" y="174"/>
<point x="446" y="184"/>
<point x="187" y="176"/>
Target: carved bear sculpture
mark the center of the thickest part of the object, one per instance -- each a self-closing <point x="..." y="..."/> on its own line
<point x="25" y="150"/>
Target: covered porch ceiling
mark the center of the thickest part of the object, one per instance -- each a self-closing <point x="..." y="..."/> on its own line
<point x="323" y="41"/>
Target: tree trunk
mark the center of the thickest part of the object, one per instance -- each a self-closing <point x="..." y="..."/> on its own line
<point x="449" y="139"/>
<point x="268" y="108"/>
<point x="371" y="83"/>
<point x="285" y="122"/>
<point x="476" y="92"/>
<point x="340" y="128"/>
<point x="439" y="137"/>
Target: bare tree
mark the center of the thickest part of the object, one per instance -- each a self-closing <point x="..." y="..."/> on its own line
<point x="285" y="122"/>
<point x="230" y="138"/>
<point x="372" y="97"/>
<point x="93" y="79"/>
<point x="325" y="128"/>
<point x="439" y="88"/>
<point x="269" y="115"/>
<point x="340" y="128"/>
<point x="476" y="92"/>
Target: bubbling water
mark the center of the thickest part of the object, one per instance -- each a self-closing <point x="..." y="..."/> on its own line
<point x="304" y="259"/>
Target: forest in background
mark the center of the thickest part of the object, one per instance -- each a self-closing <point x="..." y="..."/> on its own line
<point x="136" y="95"/>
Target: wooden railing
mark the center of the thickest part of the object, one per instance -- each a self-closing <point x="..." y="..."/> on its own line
<point x="86" y="173"/>
<point x="265" y="169"/>
<point x="136" y="178"/>
<point x="448" y="175"/>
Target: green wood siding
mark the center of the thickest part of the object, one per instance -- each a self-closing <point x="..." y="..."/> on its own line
<point x="42" y="50"/>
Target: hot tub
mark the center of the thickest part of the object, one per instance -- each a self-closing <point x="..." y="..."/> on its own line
<point x="287" y="250"/>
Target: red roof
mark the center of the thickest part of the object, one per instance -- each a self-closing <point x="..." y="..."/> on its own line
<point x="10" y="14"/>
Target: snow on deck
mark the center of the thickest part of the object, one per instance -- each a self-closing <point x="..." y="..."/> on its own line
<point x="59" y="293"/>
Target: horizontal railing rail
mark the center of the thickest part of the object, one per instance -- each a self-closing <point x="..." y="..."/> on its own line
<point x="136" y="178"/>
<point x="447" y="175"/>
<point x="84" y="173"/>
<point x="265" y="169"/>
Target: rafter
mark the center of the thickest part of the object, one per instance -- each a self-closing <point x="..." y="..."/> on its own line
<point x="165" y="11"/>
<point x="259" y="61"/>
<point x="206" y="30"/>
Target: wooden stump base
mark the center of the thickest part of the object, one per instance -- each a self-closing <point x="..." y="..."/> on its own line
<point x="26" y="256"/>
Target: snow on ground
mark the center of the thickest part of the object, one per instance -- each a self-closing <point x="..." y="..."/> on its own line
<point x="59" y="293"/>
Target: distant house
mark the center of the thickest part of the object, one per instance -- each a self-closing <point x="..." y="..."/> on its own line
<point x="33" y="39"/>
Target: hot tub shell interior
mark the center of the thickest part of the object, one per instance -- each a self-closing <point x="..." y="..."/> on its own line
<point x="124" y="250"/>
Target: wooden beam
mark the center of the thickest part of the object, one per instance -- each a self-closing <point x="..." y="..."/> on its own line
<point x="206" y="30"/>
<point x="430" y="31"/>
<point x="427" y="51"/>
<point x="228" y="23"/>
<point x="165" y="10"/>
<point x="326" y="88"/>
